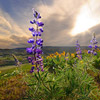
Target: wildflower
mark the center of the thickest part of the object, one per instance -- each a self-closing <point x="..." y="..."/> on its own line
<point x="16" y="60"/>
<point x="37" y="44"/>
<point x="56" y="53"/>
<point x="41" y="29"/>
<point x="66" y="58"/>
<point x="0" y="72"/>
<point x="78" y="50"/>
<point x="29" y="59"/>
<point x="73" y="55"/>
<point x="47" y="57"/>
<point x="31" y="29"/>
<point x="93" y="45"/>
<point x="31" y="41"/>
<point x="81" y="62"/>
<point x="59" y="55"/>
<point x="29" y="50"/>
<point x="63" y="53"/>
<point x="54" y="56"/>
<point x="40" y="24"/>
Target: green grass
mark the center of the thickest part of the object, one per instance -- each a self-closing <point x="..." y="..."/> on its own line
<point x="9" y="71"/>
<point x="70" y="79"/>
<point x="7" y="68"/>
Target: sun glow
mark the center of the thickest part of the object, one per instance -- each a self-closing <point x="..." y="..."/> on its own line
<point x="84" y="21"/>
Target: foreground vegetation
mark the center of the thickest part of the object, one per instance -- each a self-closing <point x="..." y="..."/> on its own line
<point x="65" y="78"/>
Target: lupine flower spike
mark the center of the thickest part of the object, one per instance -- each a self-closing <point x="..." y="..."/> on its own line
<point x="93" y="45"/>
<point x="78" y="50"/>
<point x="37" y="44"/>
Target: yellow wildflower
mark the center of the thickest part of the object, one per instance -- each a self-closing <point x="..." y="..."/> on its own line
<point x="59" y="55"/>
<point x="81" y="62"/>
<point x="0" y="72"/>
<point x="63" y="53"/>
<point x="34" y="65"/>
<point x="56" y="53"/>
<point x="73" y="55"/>
<point x="47" y="57"/>
<point x="98" y="49"/>
<point x="54" y="56"/>
<point x="51" y="55"/>
<point x="66" y="58"/>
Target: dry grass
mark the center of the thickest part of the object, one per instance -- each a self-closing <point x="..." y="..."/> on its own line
<point x="13" y="88"/>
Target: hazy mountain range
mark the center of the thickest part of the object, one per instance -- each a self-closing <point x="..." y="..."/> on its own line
<point x="46" y="50"/>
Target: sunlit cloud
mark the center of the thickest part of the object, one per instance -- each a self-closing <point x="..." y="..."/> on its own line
<point x="4" y="22"/>
<point x="86" y="18"/>
<point x="61" y="9"/>
<point x="8" y="28"/>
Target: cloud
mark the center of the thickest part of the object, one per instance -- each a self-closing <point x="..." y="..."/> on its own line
<point x="85" y="37"/>
<point x="5" y="42"/>
<point x="8" y="28"/>
<point x="87" y="17"/>
<point x="59" y="18"/>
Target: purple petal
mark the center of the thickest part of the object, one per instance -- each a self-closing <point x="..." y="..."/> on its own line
<point x="41" y="29"/>
<point x="30" y="41"/>
<point x="89" y="51"/>
<point x="31" y="29"/>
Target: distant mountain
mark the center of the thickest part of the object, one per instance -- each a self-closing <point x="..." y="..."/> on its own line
<point x="46" y="50"/>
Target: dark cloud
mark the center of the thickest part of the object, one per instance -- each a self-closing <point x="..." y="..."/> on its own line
<point x="54" y="29"/>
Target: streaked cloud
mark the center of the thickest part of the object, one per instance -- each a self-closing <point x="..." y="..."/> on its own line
<point x="62" y="20"/>
<point x="87" y="18"/>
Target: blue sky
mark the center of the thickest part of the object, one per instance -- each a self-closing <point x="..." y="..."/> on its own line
<point x="65" y="22"/>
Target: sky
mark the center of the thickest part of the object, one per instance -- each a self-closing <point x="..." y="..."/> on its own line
<point x="65" y="22"/>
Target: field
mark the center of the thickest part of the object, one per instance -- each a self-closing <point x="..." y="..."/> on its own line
<point x="65" y="77"/>
<point x="6" y="58"/>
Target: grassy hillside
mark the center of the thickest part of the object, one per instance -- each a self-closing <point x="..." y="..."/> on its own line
<point x="65" y="77"/>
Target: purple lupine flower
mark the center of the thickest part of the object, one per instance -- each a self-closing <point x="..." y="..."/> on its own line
<point x="32" y="70"/>
<point x="39" y="33"/>
<point x="38" y="69"/>
<point x="41" y="29"/>
<point x="95" y="53"/>
<point x="90" y="46"/>
<point x="89" y="51"/>
<point x="29" y="59"/>
<point x="41" y="24"/>
<point x="78" y="50"/>
<point x="34" y="21"/>
<point x="37" y="43"/>
<point x="31" y="22"/>
<point x="93" y="45"/>
<point x="29" y="50"/>
<point x="30" y="41"/>
<point x="31" y="29"/>
<point x="96" y="46"/>
<point x="36" y="14"/>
